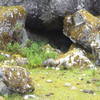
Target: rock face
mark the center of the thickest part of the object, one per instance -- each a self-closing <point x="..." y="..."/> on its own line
<point x="73" y="58"/>
<point x="84" y="29"/>
<point x="12" y="22"/>
<point x="3" y="89"/>
<point x="17" y="80"/>
<point x="48" y="14"/>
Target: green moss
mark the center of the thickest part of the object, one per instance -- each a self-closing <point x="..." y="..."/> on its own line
<point x="59" y="78"/>
<point x="10" y="18"/>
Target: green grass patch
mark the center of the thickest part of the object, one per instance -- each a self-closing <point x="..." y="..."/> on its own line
<point x="57" y="88"/>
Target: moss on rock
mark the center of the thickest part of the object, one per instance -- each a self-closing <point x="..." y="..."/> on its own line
<point x="17" y="79"/>
<point x="84" y="29"/>
<point x="12" y="21"/>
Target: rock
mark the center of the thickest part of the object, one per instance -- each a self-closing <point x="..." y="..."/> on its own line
<point x="73" y="88"/>
<point x="12" y="22"/>
<point x="95" y="80"/>
<point x="1" y="73"/>
<point x="6" y="55"/>
<point x="27" y="97"/>
<point x="50" y="63"/>
<point x="67" y="84"/>
<point x="88" y="91"/>
<point x="73" y="58"/>
<point x="57" y="68"/>
<point x="48" y="14"/>
<point x="17" y="79"/>
<point x="81" y="78"/>
<point x="21" y="61"/>
<point x="3" y="88"/>
<point x="49" y="94"/>
<point x="84" y="29"/>
<point x="49" y="81"/>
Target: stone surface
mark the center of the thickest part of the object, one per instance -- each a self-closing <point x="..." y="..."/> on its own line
<point x="49" y="81"/>
<point x="12" y="22"/>
<point x="27" y="97"/>
<point x="88" y="91"/>
<point x="84" y="29"/>
<point x="73" y="58"/>
<point x="67" y="84"/>
<point x="17" y="79"/>
<point x="3" y="88"/>
<point x="47" y="14"/>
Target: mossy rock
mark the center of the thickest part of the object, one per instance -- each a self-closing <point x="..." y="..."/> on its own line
<point x="73" y="58"/>
<point x="12" y="22"/>
<point x="17" y="79"/>
<point x="84" y="29"/>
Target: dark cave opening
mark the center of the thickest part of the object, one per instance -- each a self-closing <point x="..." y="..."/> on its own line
<point x="53" y="34"/>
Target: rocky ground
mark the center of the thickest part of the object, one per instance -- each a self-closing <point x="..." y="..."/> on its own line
<point x="31" y="68"/>
<point x="72" y="84"/>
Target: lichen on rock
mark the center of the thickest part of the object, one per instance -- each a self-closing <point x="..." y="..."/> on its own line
<point x="84" y="29"/>
<point x="17" y="79"/>
<point x="73" y="58"/>
<point x="12" y="20"/>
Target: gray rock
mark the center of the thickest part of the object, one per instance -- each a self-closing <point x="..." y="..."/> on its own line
<point x="27" y="97"/>
<point x="51" y="12"/>
<point x="83" y="29"/>
<point x="4" y="89"/>
<point x="1" y="73"/>
<point x="88" y="91"/>
<point x="19" y="82"/>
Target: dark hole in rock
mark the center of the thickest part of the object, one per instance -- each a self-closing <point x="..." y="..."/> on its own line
<point x="52" y="31"/>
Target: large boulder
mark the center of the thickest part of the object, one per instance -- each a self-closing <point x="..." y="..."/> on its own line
<point x="12" y="22"/>
<point x="48" y="14"/>
<point x="84" y="29"/>
<point x="16" y="80"/>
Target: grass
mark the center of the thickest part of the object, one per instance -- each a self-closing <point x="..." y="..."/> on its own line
<point x="2" y="57"/>
<point x="36" y="54"/>
<point x="57" y="88"/>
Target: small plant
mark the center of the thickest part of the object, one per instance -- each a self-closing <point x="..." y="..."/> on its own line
<point x="12" y="47"/>
<point x="33" y="51"/>
<point x="36" y="55"/>
<point x="2" y="58"/>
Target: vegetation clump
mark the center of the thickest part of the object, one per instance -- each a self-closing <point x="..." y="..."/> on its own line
<point x="35" y="52"/>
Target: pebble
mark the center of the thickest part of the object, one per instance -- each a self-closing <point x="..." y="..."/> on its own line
<point x="46" y="67"/>
<point x="81" y="78"/>
<point x="94" y="80"/>
<point x="57" y="68"/>
<point x="7" y="55"/>
<point x="50" y="94"/>
<point x="73" y="88"/>
<point x="49" y="81"/>
<point x="87" y="91"/>
<point x="67" y="85"/>
<point x="27" y="97"/>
